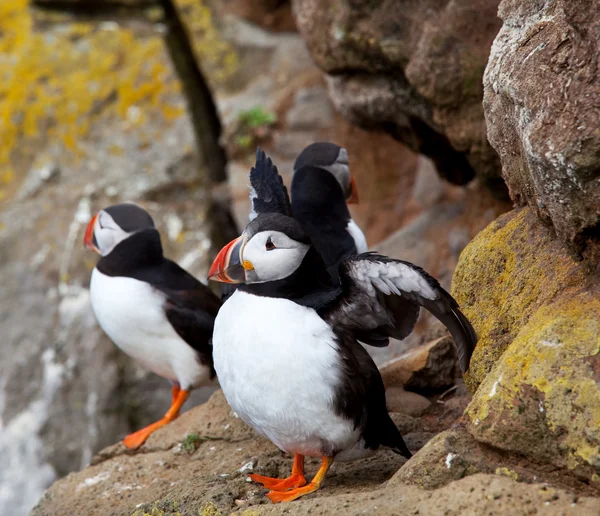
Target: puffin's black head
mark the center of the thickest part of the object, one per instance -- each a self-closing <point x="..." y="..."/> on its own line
<point x="330" y="158"/>
<point x="114" y="224"/>
<point x="271" y="248"/>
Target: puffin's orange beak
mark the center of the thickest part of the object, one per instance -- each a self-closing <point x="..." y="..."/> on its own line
<point x="228" y="267"/>
<point x="88" y="240"/>
<point x="353" y="199"/>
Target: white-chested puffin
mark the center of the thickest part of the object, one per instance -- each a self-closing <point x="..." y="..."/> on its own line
<point x="312" y="389"/>
<point x="322" y="187"/>
<point x="151" y="308"/>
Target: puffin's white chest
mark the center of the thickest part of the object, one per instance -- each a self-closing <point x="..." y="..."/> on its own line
<point x="131" y="313"/>
<point x="358" y="236"/>
<point x="278" y="365"/>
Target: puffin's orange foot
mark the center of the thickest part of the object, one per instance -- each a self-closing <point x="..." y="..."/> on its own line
<point x="279" y="484"/>
<point x="288" y="496"/>
<point x="135" y="440"/>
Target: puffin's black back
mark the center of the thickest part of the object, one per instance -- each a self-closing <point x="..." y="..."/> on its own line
<point x="318" y="204"/>
<point x="190" y="306"/>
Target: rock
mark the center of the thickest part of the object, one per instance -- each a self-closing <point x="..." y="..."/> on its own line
<point x="478" y="494"/>
<point x="546" y="129"/>
<point x="198" y="465"/>
<point x="97" y="126"/>
<point x="413" y="69"/>
<point x="536" y="363"/>
<point x="508" y="272"/>
<point x="410" y="403"/>
<point x="431" y="366"/>
<point x="455" y="454"/>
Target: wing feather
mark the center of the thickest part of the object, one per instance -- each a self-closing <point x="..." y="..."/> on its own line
<point x="268" y="194"/>
<point x="382" y="298"/>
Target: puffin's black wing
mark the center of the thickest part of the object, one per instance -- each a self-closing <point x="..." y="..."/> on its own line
<point x="381" y="299"/>
<point x="190" y="306"/>
<point x="360" y="397"/>
<point x="268" y="194"/>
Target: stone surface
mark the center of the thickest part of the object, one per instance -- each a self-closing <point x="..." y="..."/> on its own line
<point x="500" y="283"/>
<point x="412" y="68"/>
<point x="409" y="403"/>
<point x="536" y="364"/>
<point x="455" y="454"/>
<point x="430" y="366"/>
<point x="546" y="130"/>
<point x="198" y="465"/>
<point x="97" y="126"/>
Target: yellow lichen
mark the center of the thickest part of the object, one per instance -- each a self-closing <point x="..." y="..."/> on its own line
<point x="55" y="83"/>
<point x="551" y="354"/>
<point x="503" y="276"/>
<point x="507" y="473"/>
<point x="217" y="55"/>
<point x="210" y="509"/>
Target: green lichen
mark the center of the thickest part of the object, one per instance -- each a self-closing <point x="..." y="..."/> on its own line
<point x="191" y="443"/>
<point x="503" y="276"/>
<point x="159" y="508"/>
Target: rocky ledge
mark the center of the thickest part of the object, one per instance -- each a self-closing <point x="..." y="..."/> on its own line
<point x="198" y="466"/>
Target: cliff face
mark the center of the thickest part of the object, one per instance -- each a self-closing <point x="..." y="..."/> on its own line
<point x="123" y="105"/>
<point x="413" y="69"/>
<point x="92" y="113"/>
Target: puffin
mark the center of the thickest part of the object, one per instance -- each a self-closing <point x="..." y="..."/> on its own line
<point x="321" y="170"/>
<point x="321" y="190"/>
<point x="286" y="343"/>
<point x="151" y="308"/>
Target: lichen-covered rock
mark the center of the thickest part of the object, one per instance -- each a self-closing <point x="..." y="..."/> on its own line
<point x="542" y="92"/>
<point x="455" y="454"/>
<point x="503" y="277"/>
<point x="412" y="68"/>
<point x="91" y="114"/>
<point x="536" y="366"/>
<point x="542" y="399"/>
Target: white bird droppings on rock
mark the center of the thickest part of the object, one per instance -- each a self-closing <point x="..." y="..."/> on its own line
<point x="249" y="466"/>
<point x="449" y="458"/>
<point x="92" y="481"/>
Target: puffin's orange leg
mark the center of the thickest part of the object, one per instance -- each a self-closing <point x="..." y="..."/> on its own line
<point x="135" y="440"/>
<point x="314" y="485"/>
<point x="296" y="479"/>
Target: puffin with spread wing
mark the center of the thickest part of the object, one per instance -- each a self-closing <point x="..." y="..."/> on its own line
<point x="285" y="344"/>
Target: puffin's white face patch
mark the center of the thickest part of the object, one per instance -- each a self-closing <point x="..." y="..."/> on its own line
<point x="108" y="233"/>
<point x="273" y="256"/>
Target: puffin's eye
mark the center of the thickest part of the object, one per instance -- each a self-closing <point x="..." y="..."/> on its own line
<point x="269" y="246"/>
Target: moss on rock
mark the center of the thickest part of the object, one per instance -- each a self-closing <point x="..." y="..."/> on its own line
<point x="536" y="367"/>
<point x="511" y="269"/>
